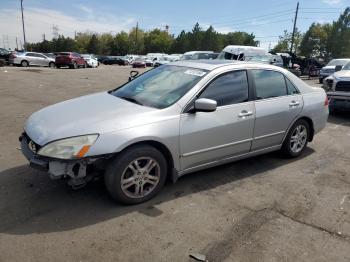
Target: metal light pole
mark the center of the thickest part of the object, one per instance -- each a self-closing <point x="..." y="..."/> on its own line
<point x="24" y="32"/>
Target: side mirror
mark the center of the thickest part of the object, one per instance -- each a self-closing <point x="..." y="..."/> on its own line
<point x="338" y="68"/>
<point x="205" y="105"/>
<point x="133" y="74"/>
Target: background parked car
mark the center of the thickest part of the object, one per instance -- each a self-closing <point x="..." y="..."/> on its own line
<point x="31" y="59"/>
<point x="90" y="60"/>
<point x="268" y="59"/>
<point x="139" y="62"/>
<point x="241" y="53"/>
<point x="5" y="55"/>
<point x="115" y="60"/>
<point x="329" y="69"/>
<point x="70" y="59"/>
<point x="195" y="55"/>
<point x="338" y="88"/>
<point x="100" y="58"/>
<point x="165" y="59"/>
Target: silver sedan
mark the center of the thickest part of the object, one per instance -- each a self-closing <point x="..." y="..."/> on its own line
<point x="176" y="119"/>
<point x="32" y="59"/>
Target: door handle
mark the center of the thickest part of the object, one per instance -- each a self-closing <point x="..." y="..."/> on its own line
<point x="245" y="113"/>
<point x="294" y="103"/>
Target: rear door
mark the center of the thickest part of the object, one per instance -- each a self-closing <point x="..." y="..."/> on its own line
<point x="226" y="132"/>
<point x="278" y="103"/>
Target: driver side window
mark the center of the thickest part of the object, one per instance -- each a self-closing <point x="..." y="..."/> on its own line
<point x="228" y="88"/>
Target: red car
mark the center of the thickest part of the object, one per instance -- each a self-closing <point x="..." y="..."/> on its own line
<point x="70" y="59"/>
<point x="139" y="63"/>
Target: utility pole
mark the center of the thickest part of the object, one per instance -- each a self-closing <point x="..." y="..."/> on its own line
<point x="137" y="29"/>
<point x="294" y="27"/>
<point x="24" y="32"/>
<point x="16" y="43"/>
<point x="44" y="39"/>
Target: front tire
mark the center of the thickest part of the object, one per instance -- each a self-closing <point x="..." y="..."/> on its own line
<point x="52" y="65"/>
<point x="24" y="63"/>
<point x="136" y="175"/>
<point x="297" y="139"/>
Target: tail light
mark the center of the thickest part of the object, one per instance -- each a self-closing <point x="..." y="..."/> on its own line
<point x="13" y="55"/>
<point x="326" y="101"/>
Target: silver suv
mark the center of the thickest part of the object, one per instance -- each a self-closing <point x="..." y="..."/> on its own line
<point x="178" y="118"/>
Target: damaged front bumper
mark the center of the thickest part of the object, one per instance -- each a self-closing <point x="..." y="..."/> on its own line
<point x="77" y="170"/>
<point x="339" y="100"/>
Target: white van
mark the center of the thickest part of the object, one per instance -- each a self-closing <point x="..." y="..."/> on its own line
<point x="241" y="52"/>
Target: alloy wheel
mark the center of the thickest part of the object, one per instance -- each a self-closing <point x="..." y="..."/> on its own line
<point x="140" y="177"/>
<point x="298" y="139"/>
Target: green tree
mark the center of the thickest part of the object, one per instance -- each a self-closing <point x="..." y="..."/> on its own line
<point x="93" y="46"/>
<point x="339" y="38"/>
<point x="157" y="41"/>
<point x="182" y="43"/>
<point x="121" y="44"/>
<point x="136" y="39"/>
<point x="285" y="41"/>
<point x="314" y="41"/>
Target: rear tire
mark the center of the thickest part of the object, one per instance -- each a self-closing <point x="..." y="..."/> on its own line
<point x="129" y="181"/>
<point x="24" y="63"/>
<point x="75" y="65"/>
<point x="297" y="139"/>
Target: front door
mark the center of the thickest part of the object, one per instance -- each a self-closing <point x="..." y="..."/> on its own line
<point x="211" y="136"/>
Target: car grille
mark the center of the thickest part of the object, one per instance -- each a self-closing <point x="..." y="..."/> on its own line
<point x="343" y="86"/>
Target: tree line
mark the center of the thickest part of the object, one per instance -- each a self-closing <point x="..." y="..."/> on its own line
<point x="326" y="41"/>
<point x="138" y="41"/>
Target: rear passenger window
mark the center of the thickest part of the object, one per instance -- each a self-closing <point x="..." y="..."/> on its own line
<point x="229" y="88"/>
<point x="269" y="84"/>
<point x="291" y="88"/>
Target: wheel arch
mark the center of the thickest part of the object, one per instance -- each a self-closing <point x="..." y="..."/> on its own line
<point x="311" y="125"/>
<point x="172" y="172"/>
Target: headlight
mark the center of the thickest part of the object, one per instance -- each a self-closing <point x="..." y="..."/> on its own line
<point x="69" y="148"/>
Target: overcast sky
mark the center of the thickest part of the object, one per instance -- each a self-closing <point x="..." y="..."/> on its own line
<point x="265" y="18"/>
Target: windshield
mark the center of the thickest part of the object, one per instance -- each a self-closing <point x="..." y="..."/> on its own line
<point x="160" y="87"/>
<point x="336" y="62"/>
<point x="186" y="57"/>
<point x="346" y="67"/>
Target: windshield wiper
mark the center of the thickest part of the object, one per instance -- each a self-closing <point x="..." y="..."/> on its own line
<point x="130" y="99"/>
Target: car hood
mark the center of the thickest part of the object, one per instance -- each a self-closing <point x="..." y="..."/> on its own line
<point x="97" y="113"/>
<point x="342" y="74"/>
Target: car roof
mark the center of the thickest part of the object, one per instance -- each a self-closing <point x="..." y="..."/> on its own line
<point x="212" y="64"/>
<point x="198" y="52"/>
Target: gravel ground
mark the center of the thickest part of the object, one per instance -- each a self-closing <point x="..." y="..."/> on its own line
<point x="266" y="208"/>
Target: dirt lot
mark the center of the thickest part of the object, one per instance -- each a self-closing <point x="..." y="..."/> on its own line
<point x="262" y="209"/>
